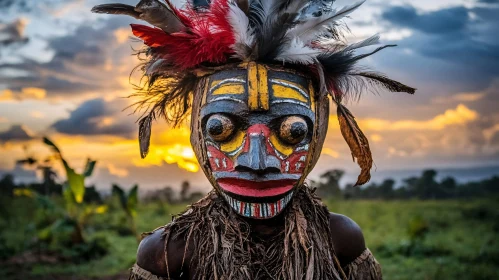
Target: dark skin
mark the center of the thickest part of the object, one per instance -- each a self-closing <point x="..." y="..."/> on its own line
<point x="347" y="237"/>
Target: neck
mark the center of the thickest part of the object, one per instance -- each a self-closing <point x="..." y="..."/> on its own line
<point x="266" y="227"/>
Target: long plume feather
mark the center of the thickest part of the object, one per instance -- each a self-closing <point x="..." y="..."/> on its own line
<point x="311" y="28"/>
<point x="297" y="52"/>
<point x="243" y="32"/>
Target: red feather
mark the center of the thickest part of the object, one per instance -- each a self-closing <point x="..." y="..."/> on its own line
<point x="208" y="39"/>
<point x="153" y="37"/>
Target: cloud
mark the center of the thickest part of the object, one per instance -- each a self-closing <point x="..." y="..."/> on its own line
<point x="24" y="93"/>
<point x="459" y="116"/>
<point x="15" y="133"/>
<point x="37" y="115"/>
<point x="437" y="22"/>
<point x="29" y="6"/>
<point x="11" y="33"/>
<point x="461" y="39"/>
<point x="116" y="171"/>
<point x="459" y="97"/>
<point x="89" y="60"/>
<point x="97" y="117"/>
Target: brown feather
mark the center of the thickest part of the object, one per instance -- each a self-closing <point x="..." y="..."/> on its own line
<point x="116" y="9"/>
<point x="358" y="143"/>
<point x="145" y="134"/>
<point x="159" y="15"/>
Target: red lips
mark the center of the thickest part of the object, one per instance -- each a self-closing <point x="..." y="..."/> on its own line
<point x="256" y="189"/>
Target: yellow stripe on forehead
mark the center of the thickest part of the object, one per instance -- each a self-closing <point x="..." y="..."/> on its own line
<point x="258" y="89"/>
<point x="289" y="90"/>
<point x="227" y="86"/>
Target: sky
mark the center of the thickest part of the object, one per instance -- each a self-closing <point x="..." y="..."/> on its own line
<point x="65" y="74"/>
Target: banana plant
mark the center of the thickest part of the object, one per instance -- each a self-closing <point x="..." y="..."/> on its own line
<point x="128" y="202"/>
<point x="74" y="192"/>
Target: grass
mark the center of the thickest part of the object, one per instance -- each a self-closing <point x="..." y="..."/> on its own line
<point x="411" y="239"/>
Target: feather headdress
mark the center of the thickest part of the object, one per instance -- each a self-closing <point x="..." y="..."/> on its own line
<point x="185" y="40"/>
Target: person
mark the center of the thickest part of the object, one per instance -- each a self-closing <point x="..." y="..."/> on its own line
<point x="256" y="78"/>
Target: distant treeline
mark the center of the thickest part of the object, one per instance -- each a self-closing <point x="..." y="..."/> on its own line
<point x="50" y="187"/>
<point x="423" y="187"/>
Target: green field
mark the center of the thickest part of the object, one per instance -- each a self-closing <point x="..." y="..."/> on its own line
<point x="411" y="239"/>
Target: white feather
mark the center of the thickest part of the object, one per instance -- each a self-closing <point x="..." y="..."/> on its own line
<point x="332" y="45"/>
<point x="373" y="40"/>
<point x="243" y="33"/>
<point x="240" y="24"/>
<point x="313" y="27"/>
<point x="179" y="4"/>
<point x="298" y="52"/>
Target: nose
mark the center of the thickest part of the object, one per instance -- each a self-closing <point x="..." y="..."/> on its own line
<point x="257" y="159"/>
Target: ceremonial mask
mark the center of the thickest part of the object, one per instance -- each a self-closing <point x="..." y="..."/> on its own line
<point x="257" y="123"/>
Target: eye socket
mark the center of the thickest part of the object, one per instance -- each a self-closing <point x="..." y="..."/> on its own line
<point x="219" y="127"/>
<point x="293" y="130"/>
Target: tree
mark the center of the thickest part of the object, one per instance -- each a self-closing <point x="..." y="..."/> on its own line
<point x="7" y="185"/>
<point x="184" y="190"/>
<point x="329" y="185"/>
<point x="385" y="190"/>
<point x="128" y="202"/>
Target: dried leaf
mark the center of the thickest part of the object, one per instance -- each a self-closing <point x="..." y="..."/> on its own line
<point x="358" y="143"/>
<point x="145" y="135"/>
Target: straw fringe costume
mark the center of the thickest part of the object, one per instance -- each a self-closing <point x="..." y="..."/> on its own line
<point x="256" y="78"/>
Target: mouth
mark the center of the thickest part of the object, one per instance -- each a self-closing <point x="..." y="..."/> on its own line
<point x="246" y="188"/>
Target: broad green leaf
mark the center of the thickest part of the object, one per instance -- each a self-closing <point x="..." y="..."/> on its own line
<point x="132" y="201"/>
<point x="68" y="197"/>
<point x="77" y="184"/>
<point x="45" y="233"/>
<point x="89" y="168"/>
<point x="100" y="209"/>
<point x="121" y="195"/>
<point x="51" y="144"/>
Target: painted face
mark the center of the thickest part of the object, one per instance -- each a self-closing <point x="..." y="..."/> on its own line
<point x="257" y="124"/>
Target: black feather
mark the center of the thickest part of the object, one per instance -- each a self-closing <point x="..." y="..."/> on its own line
<point x="340" y="72"/>
<point x="362" y="56"/>
<point x="337" y="64"/>
<point x="116" y="9"/>
<point x="272" y="24"/>
<point x="243" y="5"/>
<point x="272" y="37"/>
<point x="385" y="82"/>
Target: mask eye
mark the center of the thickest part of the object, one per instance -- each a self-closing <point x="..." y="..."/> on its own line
<point x="219" y="127"/>
<point x="293" y="130"/>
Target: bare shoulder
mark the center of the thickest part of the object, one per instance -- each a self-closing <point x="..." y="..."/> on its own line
<point x="151" y="254"/>
<point x="347" y="238"/>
